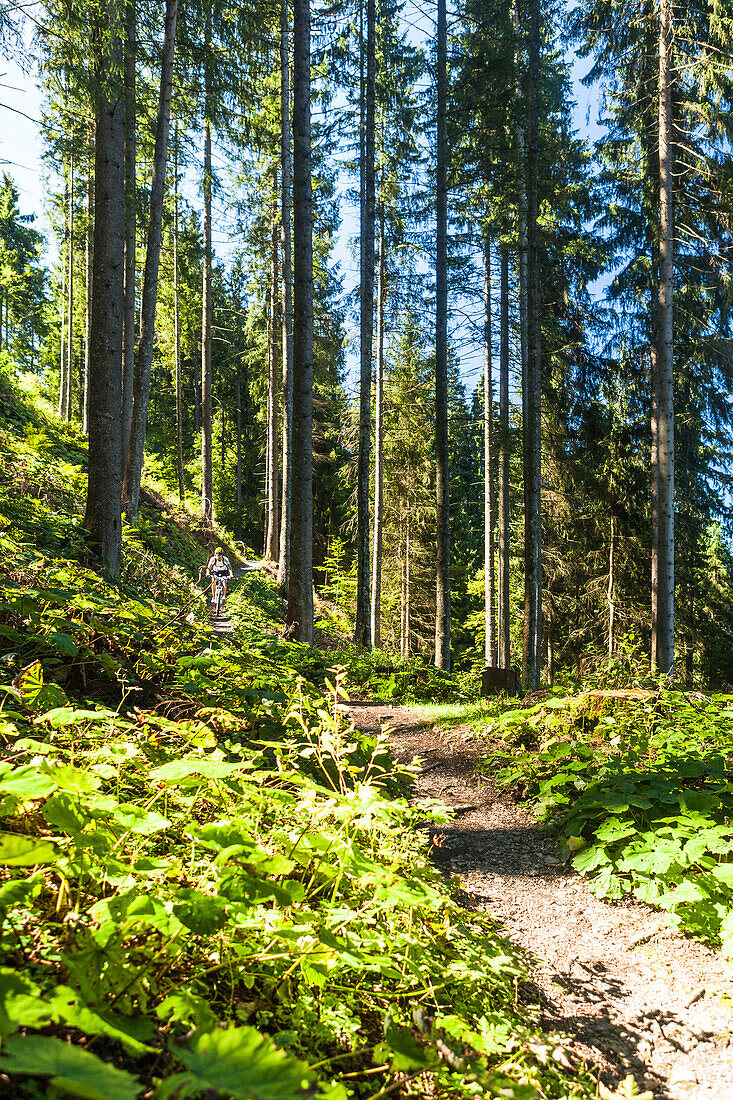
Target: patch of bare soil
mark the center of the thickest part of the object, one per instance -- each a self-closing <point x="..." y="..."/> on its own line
<point x="631" y="994"/>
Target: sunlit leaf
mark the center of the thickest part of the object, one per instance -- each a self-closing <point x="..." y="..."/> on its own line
<point x="71" y="1070"/>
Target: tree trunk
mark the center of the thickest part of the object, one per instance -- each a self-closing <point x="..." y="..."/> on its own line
<point x="238" y="399"/>
<point x="128" y="336"/>
<point x="102" y="519"/>
<point x="136" y="450"/>
<point x="63" y="372"/>
<point x="268" y="416"/>
<point x="611" y="593"/>
<point x="376" y="625"/>
<point x="665" y="355"/>
<point x="300" y="583"/>
<point x="207" y="473"/>
<point x="287" y="290"/>
<point x="504" y="634"/>
<point x="407" y="624"/>
<point x="88" y="289"/>
<point x="69" y="300"/>
<point x="442" y="483"/>
<point x="177" y="329"/>
<point x="532" y="471"/>
<point x="273" y="396"/>
<point x="654" y="458"/>
<point x="362" y="632"/>
<point x="489" y="500"/>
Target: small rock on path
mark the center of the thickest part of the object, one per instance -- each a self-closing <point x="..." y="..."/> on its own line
<point x="632" y="995"/>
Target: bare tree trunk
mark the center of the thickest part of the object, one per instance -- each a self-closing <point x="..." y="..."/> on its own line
<point x="238" y="398"/>
<point x="177" y="328"/>
<point x="300" y="582"/>
<point x="611" y="592"/>
<point x="102" y="519"/>
<point x="407" y="623"/>
<point x="88" y="289"/>
<point x="665" y="353"/>
<point x="489" y="500"/>
<point x="362" y="632"/>
<point x="70" y="299"/>
<point x="128" y="336"/>
<point x="287" y="289"/>
<point x="521" y="206"/>
<point x="654" y="457"/>
<point x="136" y="451"/>
<point x="207" y="473"/>
<point x="376" y="625"/>
<point x="504" y="634"/>
<point x="273" y="396"/>
<point x="532" y="657"/>
<point x="63" y="371"/>
<point x="268" y="416"/>
<point x="442" y="477"/>
<point x="402" y="601"/>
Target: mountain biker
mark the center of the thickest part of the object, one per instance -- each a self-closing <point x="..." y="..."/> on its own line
<point x="219" y="566"/>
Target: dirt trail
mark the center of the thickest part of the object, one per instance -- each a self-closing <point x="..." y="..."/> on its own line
<point x="632" y="995"/>
<point x="222" y="624"/>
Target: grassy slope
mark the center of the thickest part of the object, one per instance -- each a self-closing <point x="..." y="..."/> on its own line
<point x="208" y="885"/>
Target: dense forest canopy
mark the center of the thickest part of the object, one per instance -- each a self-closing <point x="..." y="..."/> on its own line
<point x="530" y="471"/>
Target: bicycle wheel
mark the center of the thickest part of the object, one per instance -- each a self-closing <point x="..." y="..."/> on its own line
<point x="219" y="593"/>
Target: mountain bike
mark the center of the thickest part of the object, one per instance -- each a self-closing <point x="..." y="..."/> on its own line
<point x="218" y="596"/>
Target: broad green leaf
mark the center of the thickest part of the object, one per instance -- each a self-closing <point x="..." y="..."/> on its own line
<point x="590" y="859"/>
<point x="724" y="873"/>
<point x="243" y="1063"/>
<point x="61" y="717"/>
<point x="139" y="821"/>
<point x="30" y="682"/>
<point x="407" y="1051"/>
<point x="183" y="772"/>
<point x="187" y="1008"/>
<point x="18" y="891"/>
<point x="71" y="1070"/>
<point x="27" y="783"/>
<point x="67" y="1005"/>
<point x="62" y="810"/>
<point x="64" y="643"/>
<point x="576" y="843"/>
<point x="612" y="829"/>
<point x="73" y="779"/>
<point x="201" y="913"/>
<point x="25" y="851"/>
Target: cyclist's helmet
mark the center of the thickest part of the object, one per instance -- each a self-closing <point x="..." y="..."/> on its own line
<point x="219" y="551"/>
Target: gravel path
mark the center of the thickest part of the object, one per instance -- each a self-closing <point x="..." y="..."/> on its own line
<point x="631" y="994"/>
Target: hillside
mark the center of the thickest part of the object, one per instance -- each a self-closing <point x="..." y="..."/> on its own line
<point x="210" y="885"/>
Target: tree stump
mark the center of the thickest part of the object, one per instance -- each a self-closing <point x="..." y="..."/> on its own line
<point x="495" y="679"/>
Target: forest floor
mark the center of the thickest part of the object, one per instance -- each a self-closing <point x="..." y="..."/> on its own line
<point x="631" y="994"/>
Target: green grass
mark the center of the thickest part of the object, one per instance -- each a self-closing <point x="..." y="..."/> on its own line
<point x="478" y="713"/>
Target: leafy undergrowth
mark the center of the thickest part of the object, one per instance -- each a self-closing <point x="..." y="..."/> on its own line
<point x="209" y="884"/>
<point x="381" y="675"/>
<point x="641" y="790"/>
